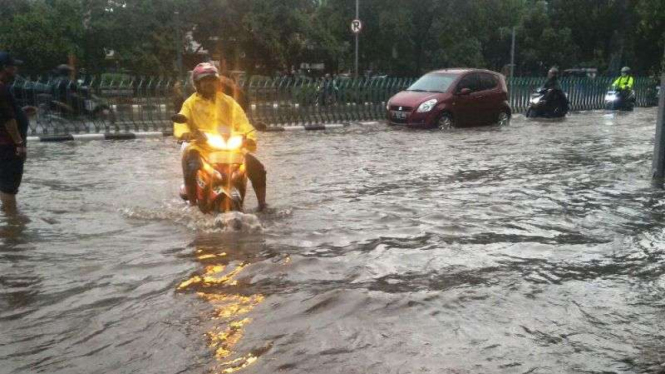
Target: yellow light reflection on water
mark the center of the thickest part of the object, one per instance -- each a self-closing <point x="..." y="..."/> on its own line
<point x="193" y="280"/>
<point x="223" y="342"/>
<point x="239" y="363"/>
<point x="229" y="306"/>
<point x="230" y="311"/>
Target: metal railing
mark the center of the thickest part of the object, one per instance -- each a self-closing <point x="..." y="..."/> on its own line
<point x="146" y="104"/>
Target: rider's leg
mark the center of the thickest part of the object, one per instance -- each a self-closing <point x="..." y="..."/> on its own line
<point x="256" y="173"/>
<point x="191" y="163"/>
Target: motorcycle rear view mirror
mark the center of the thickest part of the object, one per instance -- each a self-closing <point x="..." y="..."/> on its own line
<point x="179" y="118"/>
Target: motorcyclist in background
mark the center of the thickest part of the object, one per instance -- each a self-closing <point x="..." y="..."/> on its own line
<point x="66" y="90"/>
<point x="210" y="110"/>
<point x="554" y="95"/>
<point x="624" y="84"/>
<point x="552" y="82"/>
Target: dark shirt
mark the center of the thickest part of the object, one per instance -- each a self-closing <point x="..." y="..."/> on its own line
<point x="552" y="84"/>
<point x="9" y="109"/>
<point x="64" y="88"/>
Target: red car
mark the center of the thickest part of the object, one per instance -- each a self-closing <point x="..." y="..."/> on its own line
<point x="452" y="98"/>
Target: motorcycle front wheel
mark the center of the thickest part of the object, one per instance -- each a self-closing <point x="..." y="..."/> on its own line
<point x="224" y="204"/>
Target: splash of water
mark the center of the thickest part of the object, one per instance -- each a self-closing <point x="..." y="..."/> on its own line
<point x="193" y="219"/>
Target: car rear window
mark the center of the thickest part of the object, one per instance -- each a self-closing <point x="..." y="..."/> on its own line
<point x="433" y="83"/>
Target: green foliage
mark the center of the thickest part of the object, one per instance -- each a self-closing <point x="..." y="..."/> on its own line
<point x="44" y="35"/>
<point x="651" y="33"/>
<point x="536" y="31"/>
<point x="400" y="37"/>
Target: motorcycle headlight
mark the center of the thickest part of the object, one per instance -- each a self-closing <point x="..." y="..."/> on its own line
<point x="427" y="106"/>
<point x="610" y="97"/>
<point x="536" y="100"/>
<point x="218" y="142"/>
<point x="234" y="142"/>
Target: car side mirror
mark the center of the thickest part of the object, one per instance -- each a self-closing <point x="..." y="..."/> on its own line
<point x="179" y="118"/>
<point x="465" y="91"/>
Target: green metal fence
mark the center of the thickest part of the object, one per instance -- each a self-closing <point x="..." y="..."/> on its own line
<point x="309" y="101"/>
<point x="146" y="103"/>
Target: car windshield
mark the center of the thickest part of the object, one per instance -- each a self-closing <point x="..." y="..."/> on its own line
<point x="433" y="83"/>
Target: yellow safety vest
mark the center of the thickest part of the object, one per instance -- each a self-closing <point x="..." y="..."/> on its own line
<point x="624" y="83"/>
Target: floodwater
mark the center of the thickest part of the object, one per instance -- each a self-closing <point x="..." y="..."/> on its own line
<point x="533" y="248"/>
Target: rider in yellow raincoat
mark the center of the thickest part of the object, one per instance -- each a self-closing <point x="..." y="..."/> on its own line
<point x="211" y="111"/>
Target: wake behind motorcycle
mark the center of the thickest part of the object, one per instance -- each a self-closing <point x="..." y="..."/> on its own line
<point x="221" y="179"/>
<point x="556" y="106"/>
<point x="620" y="100"/>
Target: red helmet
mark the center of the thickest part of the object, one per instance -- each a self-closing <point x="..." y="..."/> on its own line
<point x="204" y="70"/>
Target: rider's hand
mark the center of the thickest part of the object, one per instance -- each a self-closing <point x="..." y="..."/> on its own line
<point x="193" y="137"/>
<point x="186" y="137"/>
<point x="199" y="137"/>
<point x="250" y="144"/>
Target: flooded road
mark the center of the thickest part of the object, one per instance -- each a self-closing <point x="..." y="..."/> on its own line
<point x="534" y="248"/>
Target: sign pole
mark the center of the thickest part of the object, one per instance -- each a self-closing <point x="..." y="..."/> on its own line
<point x="357" y="35"/>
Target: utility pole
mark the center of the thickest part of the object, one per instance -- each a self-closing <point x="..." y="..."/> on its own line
<point x="357" y="35"/>
<point x="658" y="165"/>
<point x="178" y="46"/>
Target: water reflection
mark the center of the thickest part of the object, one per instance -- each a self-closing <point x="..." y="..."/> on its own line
<point x="19" y="285"/>
<point x="218" y="284"/>
<point x="12" y="227"/>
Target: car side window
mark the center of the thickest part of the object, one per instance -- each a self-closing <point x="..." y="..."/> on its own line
<point x="469" y="81"/>
<point x="487" y="82"/>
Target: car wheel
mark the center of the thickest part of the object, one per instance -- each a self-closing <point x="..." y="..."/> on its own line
<point x="503" y="119"/>
<point x="445" y="122"/>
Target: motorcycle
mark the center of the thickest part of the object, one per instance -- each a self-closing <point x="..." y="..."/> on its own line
<point x="618" y="100"/>
<point x="82" y="103"/>
<point x="221" y="181"/>
<point x="327" y="93"/>
<point x="546" y="108"/>
<point x="652" y="96"/>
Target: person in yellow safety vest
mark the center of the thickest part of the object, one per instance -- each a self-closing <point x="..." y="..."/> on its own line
<point x="625" y="81"/>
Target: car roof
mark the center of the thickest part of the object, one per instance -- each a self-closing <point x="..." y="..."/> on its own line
<point x="461" y="71"/>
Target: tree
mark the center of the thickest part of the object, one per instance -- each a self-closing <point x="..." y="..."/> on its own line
<point x="400" y="37"/>
<point x="142" y="34"/>
<point x="44" y="35"/>
<point x="541" y="44"/>
<point x="267" y="35"/>
<point x="651" y="35"/>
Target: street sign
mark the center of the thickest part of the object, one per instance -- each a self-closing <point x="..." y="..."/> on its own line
<point x="356" y="26"/>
